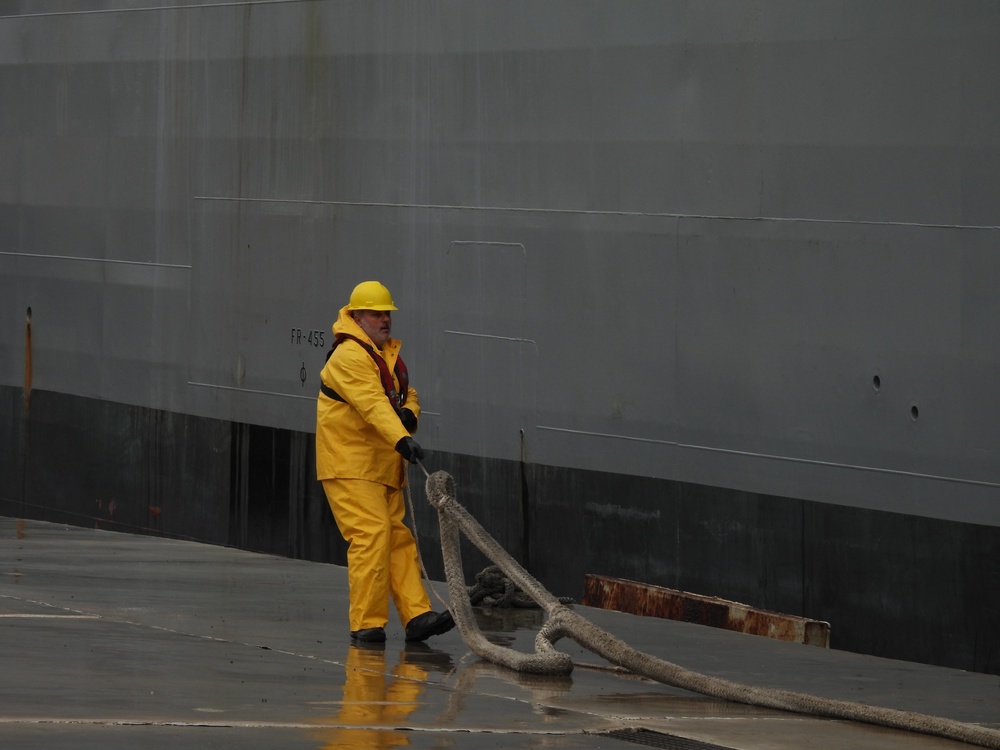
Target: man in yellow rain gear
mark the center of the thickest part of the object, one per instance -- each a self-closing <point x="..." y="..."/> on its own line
<point x="364" y="417"/>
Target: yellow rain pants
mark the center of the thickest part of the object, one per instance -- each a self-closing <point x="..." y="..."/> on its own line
<point x="382" y="557"/>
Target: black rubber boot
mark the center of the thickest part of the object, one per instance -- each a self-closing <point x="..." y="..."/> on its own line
<point x="422" y="627"/>
<point x="369" y="635"/>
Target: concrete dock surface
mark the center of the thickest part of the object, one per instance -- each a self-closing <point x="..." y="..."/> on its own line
<point x="110" y="640"/>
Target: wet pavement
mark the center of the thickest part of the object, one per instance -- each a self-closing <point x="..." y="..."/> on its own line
<point x="111" y="641"/>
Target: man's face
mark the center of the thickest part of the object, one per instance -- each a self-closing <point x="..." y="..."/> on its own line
<point x="376" y="323"/>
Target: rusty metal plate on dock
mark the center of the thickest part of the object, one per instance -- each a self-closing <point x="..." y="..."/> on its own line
<point x="649" y="600"/>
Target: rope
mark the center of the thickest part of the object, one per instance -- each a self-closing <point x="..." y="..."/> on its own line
<point x="562" y="622"/>
<point x="494" y="589"/>
<point x="413" y="523"/>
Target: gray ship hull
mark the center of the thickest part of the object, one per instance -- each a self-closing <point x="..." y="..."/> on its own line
<point x="700" y="294"/>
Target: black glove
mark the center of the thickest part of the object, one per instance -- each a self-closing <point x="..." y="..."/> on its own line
<point x="409" y="419"/>
<point x="410" y="449"/>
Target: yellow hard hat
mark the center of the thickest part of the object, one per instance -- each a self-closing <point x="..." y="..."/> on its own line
<point x="371" y="295"/>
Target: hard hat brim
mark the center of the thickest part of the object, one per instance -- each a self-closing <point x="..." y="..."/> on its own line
<point x="352" y="308"/>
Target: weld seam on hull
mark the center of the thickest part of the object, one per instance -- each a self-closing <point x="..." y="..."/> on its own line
<point x="774" y="457"/>
<point x="598" y="212"/>
<point x="160" y="8"/>
<point x="250" y="390"/>
<point x="491" y="336"/>
<point x="98" y="260"/>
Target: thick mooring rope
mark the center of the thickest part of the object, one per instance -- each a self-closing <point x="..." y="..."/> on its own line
<point x="494" y="589"/>
<point x="562" y="622"/>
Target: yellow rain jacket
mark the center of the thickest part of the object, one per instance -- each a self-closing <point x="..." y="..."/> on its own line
<point x="357" y="439"/>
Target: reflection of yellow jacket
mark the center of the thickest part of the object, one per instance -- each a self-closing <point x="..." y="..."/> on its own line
<point x="357" y="439"/>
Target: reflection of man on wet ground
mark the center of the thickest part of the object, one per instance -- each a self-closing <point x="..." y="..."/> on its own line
<point x="377" y="703"/>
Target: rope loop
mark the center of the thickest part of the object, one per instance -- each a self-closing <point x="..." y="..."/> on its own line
<point x="440" y="488"/>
